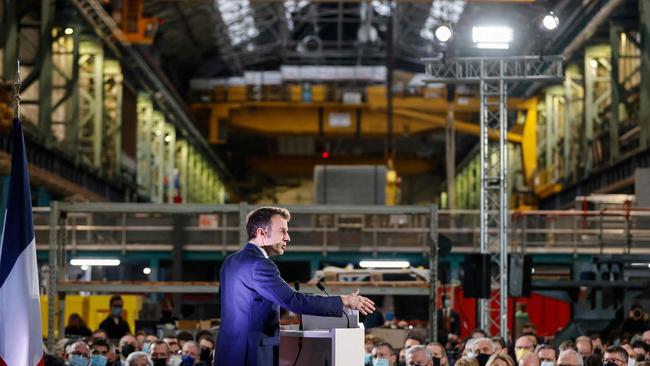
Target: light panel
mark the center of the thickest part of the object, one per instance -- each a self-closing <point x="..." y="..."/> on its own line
<point x="492" y="34"/>
<point x="95" y="262"/>
<point x="384" y="264"/>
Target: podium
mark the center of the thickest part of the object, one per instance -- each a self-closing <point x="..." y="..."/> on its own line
<point x="339" y="346"/>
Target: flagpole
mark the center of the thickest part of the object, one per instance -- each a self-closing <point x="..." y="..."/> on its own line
<point x="17" y="83"/>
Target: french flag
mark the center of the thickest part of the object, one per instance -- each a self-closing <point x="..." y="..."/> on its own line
<point x="21" y="338"/>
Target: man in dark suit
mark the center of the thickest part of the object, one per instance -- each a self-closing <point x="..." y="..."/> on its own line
<point x="252" y="292"/>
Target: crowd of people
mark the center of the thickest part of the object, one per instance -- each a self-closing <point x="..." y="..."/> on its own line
<point x="626" y="349"/>
<point x="113" y="344"/>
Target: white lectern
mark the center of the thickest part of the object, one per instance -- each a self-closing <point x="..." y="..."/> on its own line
<point x="328" y="347"/>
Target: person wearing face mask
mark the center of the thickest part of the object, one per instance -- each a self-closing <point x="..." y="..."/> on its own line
<point x="127" y="345"/>
<point x="191" y="354"/>
<point x="584" y="346"/>
<point x="167" y="313"/>
<point x="438" y="354"/>
<point x="114" y="325"/>
<point x="615" y="356"/>
<point x="482" y="349"/>
<point x="160" y="353"/>
<point x="641" y="350"/>
<point x="547" y="355"/>
<point x="99" y="351"/>
<point x="77" y="354"/>
<point x="523" y="345"/>
<point x="530" y="359"/>
<point x="419" y="356"/>
<point x="383" y="354"/>
<point x="206" y="344"/>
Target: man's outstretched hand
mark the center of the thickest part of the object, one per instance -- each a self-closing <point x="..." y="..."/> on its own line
<point x="356" y="302"/>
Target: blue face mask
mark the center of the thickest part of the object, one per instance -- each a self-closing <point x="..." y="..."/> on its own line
<point x="145" y="347"/>
<point x="98" y="360"/>
<point x="368" y="359"/>
<point x="116" y="311"/>
<point x="78" y="360"/>
<point x="380" y="362"/>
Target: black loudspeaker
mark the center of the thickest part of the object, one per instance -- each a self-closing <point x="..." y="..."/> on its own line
<point x="476" y="280"/>
<point x="520" y="275"/>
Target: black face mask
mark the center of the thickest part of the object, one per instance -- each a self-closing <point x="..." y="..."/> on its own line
<point x="205" y="354"/>
<point x="159" y="362"/>
<point x="436" y="361"/>
<point x="127" y="349"/>
<point x="609" y="364"/>
<point x="167" y="313"/>
<point x="482" y="358"/>
<point x="597" y="350"/>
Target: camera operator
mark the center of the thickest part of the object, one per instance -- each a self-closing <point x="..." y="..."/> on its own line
<point x="637" y="320"/>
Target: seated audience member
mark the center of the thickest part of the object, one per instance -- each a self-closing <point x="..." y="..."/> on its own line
<point x="482" y="349"/>
<point x="438" y="354"/>
<point x="139" y="339"/>
<point x="641" y="351"/>
<point x="99" y="351"/>
<point x="596" y="343"/>
<point x="160" y="353"/>
<point x="500" y="359"/>
<point x="569" y="357"/>
<point x="547" y="355"/>
<point x="172" y="342"/>
<point x="631" y="355"/>
<point x="529" y="359"/>
<point x="148" y="340"/>
<point x="191" y="353"/>
<point x="413" y="339"/>
<point x="206" y="344"/>
<point x="523" y="346"/>
<point x="127" y="345"/>
<point x="383" y="354"/>
<point x="566" y="345"/>
<point x="77" y="327"/>
<point x="370" y="340"/>
<point x="584" y="346"/>
<point x="78" y="354"/>
<point x="615" y="356"/>
<point x="138" y="358"/>
<point x="418" y="355"/>
<point x="59" y="347"/>
<point x="499" y="345"/>
<point x="184" y="337"/>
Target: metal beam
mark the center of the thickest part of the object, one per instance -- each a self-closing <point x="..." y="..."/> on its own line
<point x="644" y="113"/>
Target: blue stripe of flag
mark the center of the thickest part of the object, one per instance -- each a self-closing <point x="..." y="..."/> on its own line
<point x="19" y="227"/>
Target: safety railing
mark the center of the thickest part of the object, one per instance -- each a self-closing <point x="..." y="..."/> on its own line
<point x="335" y="228"/>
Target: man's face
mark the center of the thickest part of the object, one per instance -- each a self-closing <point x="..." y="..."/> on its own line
<point x="159" y="351"/>
<point x="117" y="304"/>
<point x="568" y="359"/>
<point x="174" y="347"/>
<point x="584" y="348"/>
<point x="646" y="337"/>
<point x="417" y="358"/>
<point x="483" y="346"/>
<point x="383" y="352"/>
<point x="546" y="355"/>
<point x="204" y="343"/>
<point x="81" y="349"/>
<point x="100" y="350"/>
<point x="190" y="349"/>
<point x="275" y="241"/>
<point x="614" y="358"/>
<point x="524" y="343"/>
<point x="410" y="343"/>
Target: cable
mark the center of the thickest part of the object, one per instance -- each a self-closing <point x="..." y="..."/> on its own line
<point x="322" y="288"/>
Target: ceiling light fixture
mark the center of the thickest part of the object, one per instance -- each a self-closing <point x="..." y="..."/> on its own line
<point x="443" y="33"/>
<point x="384" y="264"/>
<point x="95" y="262"/>
<point x="550" y="21"/>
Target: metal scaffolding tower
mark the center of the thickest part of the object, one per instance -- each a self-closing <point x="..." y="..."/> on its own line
<point x="492" y="74"/>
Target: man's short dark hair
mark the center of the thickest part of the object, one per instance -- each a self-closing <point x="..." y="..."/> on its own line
<point x="208" y="338"/>
<point x="262" y="218"/>
<point x="184" y="336"/>
<point x="415" y="336"/>
<point x="158" y="343"/>
<point x="547" y="346"/>
<point x="385" y="344"/>
<point x="99" y="342"/>
<point x="618" y="349"/>
<point x="115" y="298"/>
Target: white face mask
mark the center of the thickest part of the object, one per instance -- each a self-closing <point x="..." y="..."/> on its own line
<point x="547" y="363"/>
<point x="175" y="360"/>
<point x="631" y="361"/>
<point x="471" y="354"/>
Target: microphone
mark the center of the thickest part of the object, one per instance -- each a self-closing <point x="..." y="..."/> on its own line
<point x="296" y="286"/>
<point x="322" y="288"/>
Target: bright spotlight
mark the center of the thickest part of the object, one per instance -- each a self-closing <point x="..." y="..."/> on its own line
<point x="68" y="31"/>
<point x="146" y="270"/>
<point x="550" y="21"/>
<point x="487" y="36"/>
<point x="443" y="33"/>
<point x="84" y="267"/>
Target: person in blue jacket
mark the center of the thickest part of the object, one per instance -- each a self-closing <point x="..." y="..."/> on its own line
<point x="252" y="292"/>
